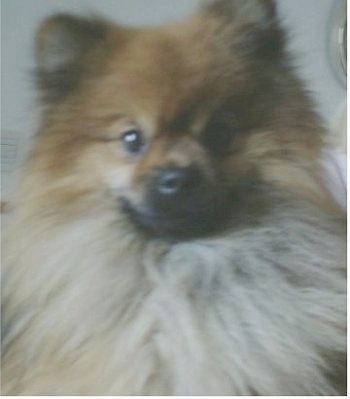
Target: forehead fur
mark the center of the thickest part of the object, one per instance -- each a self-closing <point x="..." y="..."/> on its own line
<point x="203" y="57"/>
<point x="163" y="66"/>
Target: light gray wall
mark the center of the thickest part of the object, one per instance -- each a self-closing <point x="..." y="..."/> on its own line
<point x="310" y="23"/>
<point x="307" y="20"/>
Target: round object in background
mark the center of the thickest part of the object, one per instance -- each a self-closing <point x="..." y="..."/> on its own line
<point x="338" y="40"/>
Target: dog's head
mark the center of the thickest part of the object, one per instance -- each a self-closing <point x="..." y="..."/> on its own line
<point x="173" y="123"/>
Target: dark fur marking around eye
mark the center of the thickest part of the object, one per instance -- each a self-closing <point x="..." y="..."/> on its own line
<point x="218" y="137"/>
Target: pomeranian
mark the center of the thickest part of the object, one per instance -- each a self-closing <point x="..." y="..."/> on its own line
<point x="171" y="233"/>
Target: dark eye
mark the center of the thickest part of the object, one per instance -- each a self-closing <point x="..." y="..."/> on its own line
<point x="133" y="141"/>
<point x="217" y="138"/>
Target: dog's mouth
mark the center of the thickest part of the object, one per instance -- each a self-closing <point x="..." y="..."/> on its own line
<point x="181" y="223"/>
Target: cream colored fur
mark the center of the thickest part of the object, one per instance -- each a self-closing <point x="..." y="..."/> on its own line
<point x="98" y="310"/>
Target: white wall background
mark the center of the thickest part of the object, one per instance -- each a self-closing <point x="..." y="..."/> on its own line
<point x="308" y="22"/>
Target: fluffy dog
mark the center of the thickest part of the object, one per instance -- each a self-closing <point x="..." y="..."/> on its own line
<point x="171" y="233"/>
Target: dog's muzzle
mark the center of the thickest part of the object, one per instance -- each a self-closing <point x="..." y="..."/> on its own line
<point x="179" y="202"/>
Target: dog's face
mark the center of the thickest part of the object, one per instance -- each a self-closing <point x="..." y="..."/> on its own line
<point x="173" y="123"/>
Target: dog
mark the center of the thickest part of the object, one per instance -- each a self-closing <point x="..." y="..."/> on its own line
<point x="171" y="233"/>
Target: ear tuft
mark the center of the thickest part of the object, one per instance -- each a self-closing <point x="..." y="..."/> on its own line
<point x="254" y="11"/>
<point x="62" y="43"/>
<point x="257" y="25"/>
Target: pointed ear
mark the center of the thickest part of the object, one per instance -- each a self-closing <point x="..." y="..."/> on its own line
<point x="258" y="10"/>
<point x="63" y="43"/>
<point x="255" y="25"/>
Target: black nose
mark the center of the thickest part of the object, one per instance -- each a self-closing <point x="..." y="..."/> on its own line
<point x="174" y="180"/>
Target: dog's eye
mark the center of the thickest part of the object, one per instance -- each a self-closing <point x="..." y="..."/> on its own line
<point x="217" y="139"/>
<point x="133" y="141"/>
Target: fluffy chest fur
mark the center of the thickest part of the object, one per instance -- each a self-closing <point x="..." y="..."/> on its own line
<point x="254" y="312"/>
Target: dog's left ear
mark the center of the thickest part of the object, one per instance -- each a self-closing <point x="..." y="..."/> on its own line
<point x="255" y="25"/>
<point x="64" y="44"/>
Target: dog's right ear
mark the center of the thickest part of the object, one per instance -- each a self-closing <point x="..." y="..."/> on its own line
<point x="63" y="43"/>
